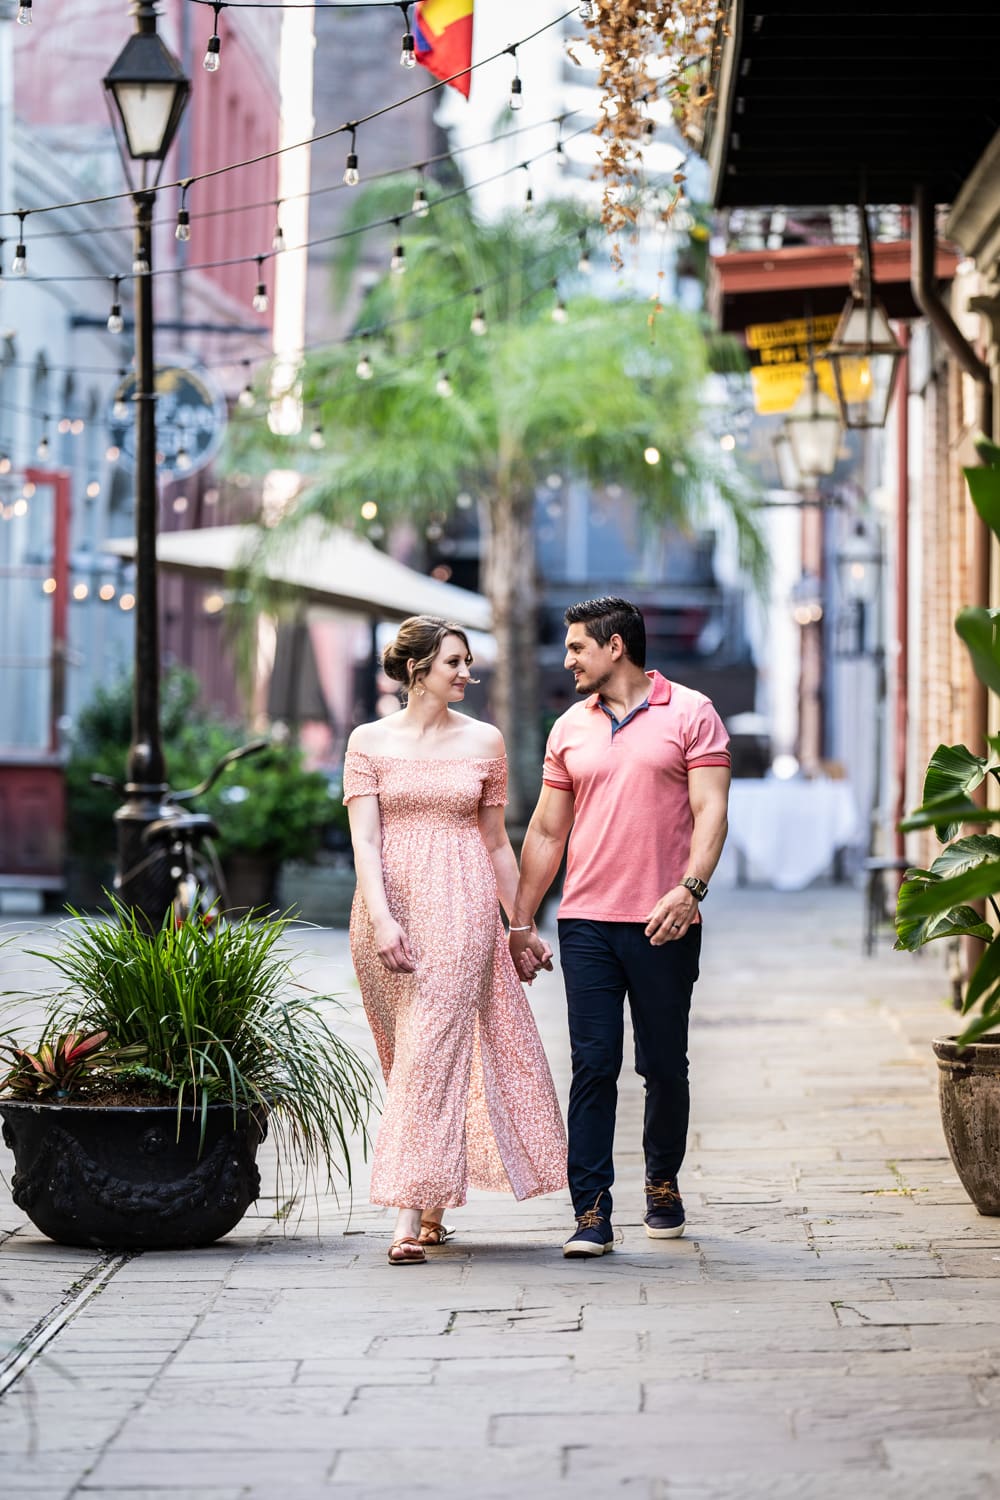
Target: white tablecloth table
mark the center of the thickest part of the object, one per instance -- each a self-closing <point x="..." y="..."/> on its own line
<point x="788" y="832"/>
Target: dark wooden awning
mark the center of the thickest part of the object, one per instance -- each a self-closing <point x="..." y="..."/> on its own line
<point x="767" y="286"/>
<point x="819" y="101"/>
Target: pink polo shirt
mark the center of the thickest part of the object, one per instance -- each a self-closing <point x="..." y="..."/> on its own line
<point x="632" y="825"/>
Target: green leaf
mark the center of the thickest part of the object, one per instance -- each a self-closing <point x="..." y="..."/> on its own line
<point x="939" y="896"/>
<point x="984" y="487"/>
<point x="914" y="932"/>
<point x="965" y="854"/>
<point x="947" y="815"/>
<point x="953" y="772"/>
<point x="986" y="1022"/>
<point x="984" y="976"/>
<point x="980" y="630"/>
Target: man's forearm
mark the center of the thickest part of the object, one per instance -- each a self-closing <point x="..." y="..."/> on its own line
<point x="707" y="840"/>
<point x="540" y="856"/>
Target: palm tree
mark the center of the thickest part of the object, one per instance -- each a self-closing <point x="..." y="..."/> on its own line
<point x="450" y="408"/>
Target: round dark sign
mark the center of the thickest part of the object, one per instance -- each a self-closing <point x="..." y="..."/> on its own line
<point x="190" y="418"/>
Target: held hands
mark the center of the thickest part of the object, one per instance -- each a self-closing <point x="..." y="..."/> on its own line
<point x="530" y="953"/>
<point x="671" y="916"/>
<point x="394" y="947"/>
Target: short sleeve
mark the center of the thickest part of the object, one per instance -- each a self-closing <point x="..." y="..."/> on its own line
<point x="495" y="784"/>
<point x="707" y="741"/>
<point x="360" y="775"/>
<point x="554" y="772"/>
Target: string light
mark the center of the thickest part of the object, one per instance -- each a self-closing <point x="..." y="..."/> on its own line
<point x="559" y="313"/>
<point x="81" y="591"/>
<point x="398" y="261"/>
<point x="24" y="13"/>
<point x="587" y="9"/>
<point x="443" y="385"/>
<point x="278" y="238"/>
<point x="107" y="592"/>
<point x="408" y="55"/>
<point x="516" y="100"/>
<point x="351" y="174"/>
<point x="478" y="324"/>
<point x="529" y="199"/>
<point x="182" y="230"/>
<point x="363" y="369"/>
<point x="182" y="460"/>
<point x="246" y="397"/>
<point x="140" y="264"/>
<point x="5" y="464"/>
<point x="42" y="451"/>
<point x="261" y="302"/>
<point x="583" y="265"/>
<point x="116" y="323"/>
<point x="214" y="48"/>
<point x="19" y="265"/>
<point x="316" y="439"/>
<point x="420" y="207"/>
<point x="119" y="410"/>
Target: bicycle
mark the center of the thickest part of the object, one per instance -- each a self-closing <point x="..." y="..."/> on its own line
<point x="182" y="842"/>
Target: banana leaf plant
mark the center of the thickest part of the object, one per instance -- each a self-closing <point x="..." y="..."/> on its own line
<point x="938" y="902"/>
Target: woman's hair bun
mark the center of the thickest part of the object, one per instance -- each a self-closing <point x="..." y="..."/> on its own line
<point x="394" y="661"/>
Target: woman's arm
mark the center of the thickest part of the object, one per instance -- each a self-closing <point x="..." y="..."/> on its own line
<point x="494" y="834"/>
<point x="366" y="836"/>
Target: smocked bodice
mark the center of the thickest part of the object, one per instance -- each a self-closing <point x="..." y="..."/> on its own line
<point x="425" y="795"/>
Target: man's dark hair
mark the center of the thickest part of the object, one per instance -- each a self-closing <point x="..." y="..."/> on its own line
<point x="603" y="618"/>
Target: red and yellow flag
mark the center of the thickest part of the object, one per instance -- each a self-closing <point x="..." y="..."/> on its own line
<point x="442" y="32"/>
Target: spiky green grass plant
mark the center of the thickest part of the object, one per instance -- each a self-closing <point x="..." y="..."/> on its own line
<point x="219" y="1017"/>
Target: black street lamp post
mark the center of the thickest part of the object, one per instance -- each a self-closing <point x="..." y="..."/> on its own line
<point x="149" y="91"/>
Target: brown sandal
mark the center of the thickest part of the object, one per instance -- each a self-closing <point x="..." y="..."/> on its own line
<point x="432" y="1233"/>
<point x="410" y="1252"/>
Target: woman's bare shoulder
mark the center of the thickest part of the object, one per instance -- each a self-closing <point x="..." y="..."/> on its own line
<point x="370" y="739"/>
<point x="482" y="741"/>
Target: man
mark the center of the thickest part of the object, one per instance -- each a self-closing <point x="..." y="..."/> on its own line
<point x="640" y="772"/>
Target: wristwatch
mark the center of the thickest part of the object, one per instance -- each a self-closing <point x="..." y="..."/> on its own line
<point x="698" y="888"/>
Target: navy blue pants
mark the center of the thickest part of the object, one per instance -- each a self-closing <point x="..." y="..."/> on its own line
<point x="602" y="962"/>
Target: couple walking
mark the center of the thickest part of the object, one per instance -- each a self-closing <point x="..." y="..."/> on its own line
<point x="636" y="776"/>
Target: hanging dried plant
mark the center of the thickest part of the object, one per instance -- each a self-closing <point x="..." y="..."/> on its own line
<point x="648" y="50"/>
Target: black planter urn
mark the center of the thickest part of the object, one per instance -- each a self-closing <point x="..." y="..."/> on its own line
<point x="123" y="1177"/>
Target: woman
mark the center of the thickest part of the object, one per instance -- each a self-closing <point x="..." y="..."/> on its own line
<point x="469" y="1096"/>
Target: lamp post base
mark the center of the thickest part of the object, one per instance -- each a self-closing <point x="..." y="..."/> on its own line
<point x="143" y="881"/>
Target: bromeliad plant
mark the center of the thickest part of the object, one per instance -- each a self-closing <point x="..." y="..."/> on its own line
<point x="937" y="902"/>
<point x="192" y="1017"/>
<point x="63" y="1065"/>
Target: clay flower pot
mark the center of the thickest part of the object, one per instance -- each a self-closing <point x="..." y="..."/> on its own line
<point x="969" y="1092"/>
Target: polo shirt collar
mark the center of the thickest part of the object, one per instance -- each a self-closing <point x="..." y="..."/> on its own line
<point x="659" y="692"/>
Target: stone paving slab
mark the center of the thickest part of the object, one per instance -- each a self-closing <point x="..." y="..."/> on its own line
<point x="828" y="1330"/>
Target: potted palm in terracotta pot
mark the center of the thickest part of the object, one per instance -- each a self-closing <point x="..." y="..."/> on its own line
<point x="959" y="895"/>
<point x="163" y="1061"/>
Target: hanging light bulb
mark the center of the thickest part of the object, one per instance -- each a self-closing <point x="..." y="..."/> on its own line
<point x="363" y="369"/>
<point x="212" y="52"/>
<point x="24" y="13"/>
<point x="529" y="200"/>
<point x="246" y="397"/>
<point x="351" y="174"/>
<point x="42" y="451"/>
<point x="120" y="410"/>
<point x="408" y="56"/>
<point x="516" y="97"/>
<point x="261" y="302"/>
<point x="583" y="265"/>
<point x="140" y="264"/>
<point x="587" y="8"/>
<point x="420" y="208"/>
<point x="316" y="438"/>
<point x="278" y="240"/>
<point x="183" y="229"/>
<point x="398" y="261"/>
<point x="443" y="385"/>
<point x="478" y="324"/>
<point x="182" y="460"/>
<point x="19" y="265"/>
<point x="116" y="323"/>
<point x="559" y="313"/>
